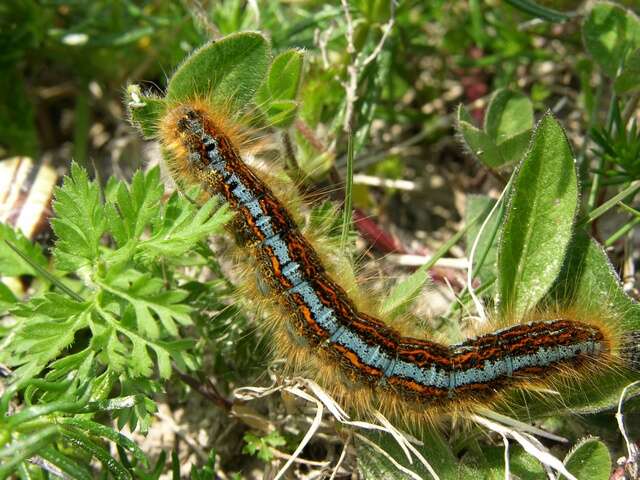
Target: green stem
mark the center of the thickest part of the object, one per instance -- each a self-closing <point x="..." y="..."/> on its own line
<point x="348" y="195"/>
<point x="612" y="202"/>
<point x="621" y="232"/>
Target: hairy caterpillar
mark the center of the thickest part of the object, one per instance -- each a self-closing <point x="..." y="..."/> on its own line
<point x="321" y="327"/>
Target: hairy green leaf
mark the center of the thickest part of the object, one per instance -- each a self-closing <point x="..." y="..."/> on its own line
<point x="145" y="111"/>
<point x="507" y="129"/>
<point x="278" y="93"/>
<point x="611" y="33"/>
<point x="80" y="221"/>
<point x="539" y="220"/>
<point x="627" y="82"/>
<point x="590" y="459"/>
<point x="12" y="264"/>
<point x="177" y="236"/>
<point x="227" y="72"/>
<point x="131" y="209"/>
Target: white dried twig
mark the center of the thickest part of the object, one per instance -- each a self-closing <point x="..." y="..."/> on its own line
<point x="322" y="399"/>
<point x="531" y="445"/>
<point x="631" y="464"/>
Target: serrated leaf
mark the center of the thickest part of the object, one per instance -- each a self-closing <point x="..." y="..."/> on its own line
<point x="627" y="82"/>
<point x="141" y="363"/>
<point x="11" y="264"/>
<point x="611" y="33"/>
<point x="589" y="459"/>
<point x="178" y="236"/>
<point x="79" y="223"/>
<point x="227" y="72"/>
<point x="539" y="220"/>
<point x="115" y="352"/>
<point x="47" y="331"/>
<point x="147" y="295"/>
<point x="134" y="207"/>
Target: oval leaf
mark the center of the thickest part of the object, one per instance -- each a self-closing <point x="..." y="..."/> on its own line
<point x="228" y="71"/>
<point x="589" y="459"/>
<point x="610" y="33"/>
<point x="539" y="220"/>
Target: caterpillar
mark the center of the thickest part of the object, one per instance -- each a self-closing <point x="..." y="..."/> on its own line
<point x="321" y="327"/>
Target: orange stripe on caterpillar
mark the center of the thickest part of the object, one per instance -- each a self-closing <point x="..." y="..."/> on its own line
<point x="364" y="348"/>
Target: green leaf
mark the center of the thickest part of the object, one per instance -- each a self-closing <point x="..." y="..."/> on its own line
<point x="80" y="440"/>
<point x="627" y="82"/>
<point x="101" y="431"/>
<point x="7" y="298"/>
<point x="477" y="141"/>
<point x="226" y="72"/>
<point x="12" y="264"/>
<point x="491" y="465"/>
<point x="588" y="279"/>
<point x="539" y="11"/>
<point x="79" y="223"/>
<point x="509" y="114"/>
<point x="282" y="113"/>
<point x="507" y="129"/>
<point x="372" y="464"/>
<point x="611" y="33"/>
<point x="179" y="235"/>
<point x="133" y="208"/>
<point x="261" y="447"/>
<point x="278" y="93"/>
<point x="405" y="293"/>
<point x="285" y="73"/>
<point x="147" y="117"/>
<point x="590" y="459"/>
<point x="508" y="122"/>
<point x="539" y="220"/>
<point x="486" y="255"/>
<point x="147" y="295"/>
<point x="49" y="326"/>
<point x="25" y="447"/>
<point x="69" y="466"/>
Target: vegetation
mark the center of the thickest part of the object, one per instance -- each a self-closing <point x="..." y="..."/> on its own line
<point x="132" y="327"/>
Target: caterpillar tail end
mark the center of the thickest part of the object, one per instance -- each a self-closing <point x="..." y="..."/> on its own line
<point x="630" y="350"/>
